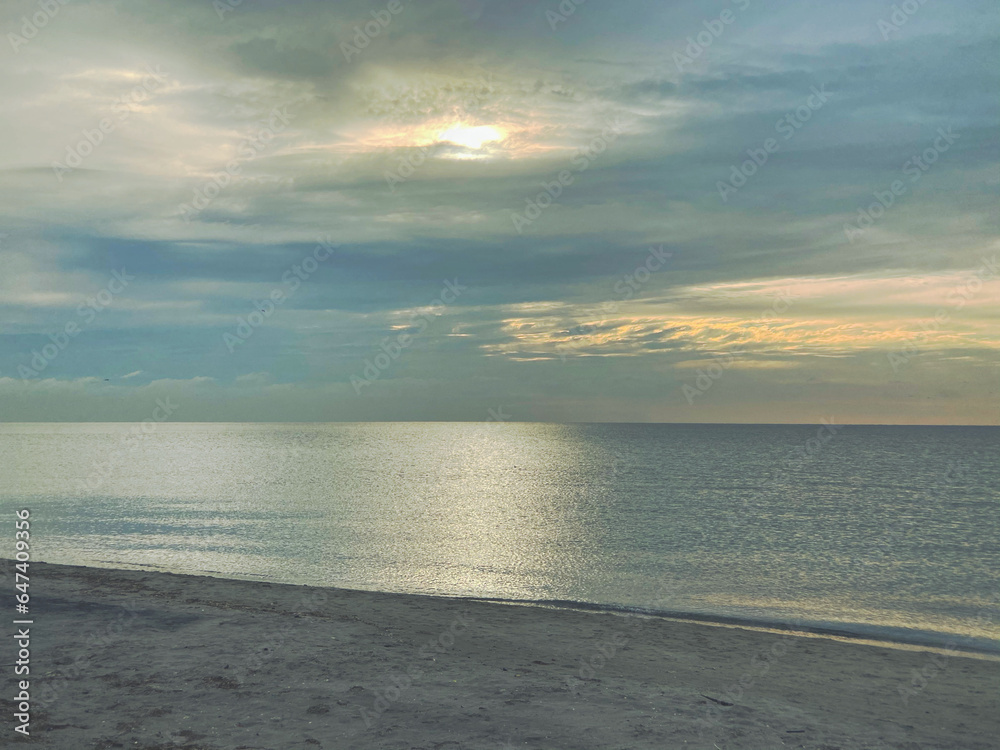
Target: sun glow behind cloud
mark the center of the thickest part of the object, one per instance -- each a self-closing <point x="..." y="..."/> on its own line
<point x="461" y="117"/>
<point x="447" y="138"/>
<point x="471" y="136"/>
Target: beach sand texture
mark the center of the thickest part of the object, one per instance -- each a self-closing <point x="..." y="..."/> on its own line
<point x="143" y="660"/>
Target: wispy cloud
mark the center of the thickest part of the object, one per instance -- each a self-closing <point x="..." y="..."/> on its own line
<point x="414" y="154"/>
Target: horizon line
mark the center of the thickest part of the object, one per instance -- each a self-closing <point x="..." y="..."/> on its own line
<point x="508" y="421"/>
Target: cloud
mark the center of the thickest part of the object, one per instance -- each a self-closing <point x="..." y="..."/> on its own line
<point x="387" y="153"/>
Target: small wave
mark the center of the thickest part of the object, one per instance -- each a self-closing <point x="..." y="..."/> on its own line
<point x="860" y="632"/>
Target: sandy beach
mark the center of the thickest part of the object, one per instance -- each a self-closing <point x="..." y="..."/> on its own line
<point x="134" y="659"/>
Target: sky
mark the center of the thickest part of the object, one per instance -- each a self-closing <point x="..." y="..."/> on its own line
<point x="726" y="211"/>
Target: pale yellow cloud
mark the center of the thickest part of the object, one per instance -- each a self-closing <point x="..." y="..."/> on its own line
<point x="968" y="286"/>
<point x="788" y="317"/>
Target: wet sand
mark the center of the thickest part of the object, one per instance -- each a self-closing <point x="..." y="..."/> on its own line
<point x="143" y="660"/>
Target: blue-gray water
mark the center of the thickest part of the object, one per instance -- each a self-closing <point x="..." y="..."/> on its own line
<point x="888" y="531"/>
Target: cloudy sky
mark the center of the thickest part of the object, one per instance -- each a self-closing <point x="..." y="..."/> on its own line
<point x="645" y="210"/>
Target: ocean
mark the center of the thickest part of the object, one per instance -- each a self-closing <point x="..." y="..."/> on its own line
<point x="863" y="531"/>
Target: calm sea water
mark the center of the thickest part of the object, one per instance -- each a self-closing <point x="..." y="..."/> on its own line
<point x="883" y="531"/>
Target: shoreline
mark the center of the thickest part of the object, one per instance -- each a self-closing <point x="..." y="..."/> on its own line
<point x="850" y="632"/>
<point x="847" y="632"/>
<point x="148" y="660"/>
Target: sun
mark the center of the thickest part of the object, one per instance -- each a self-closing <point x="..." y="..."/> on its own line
<point x="471" y="137"/>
